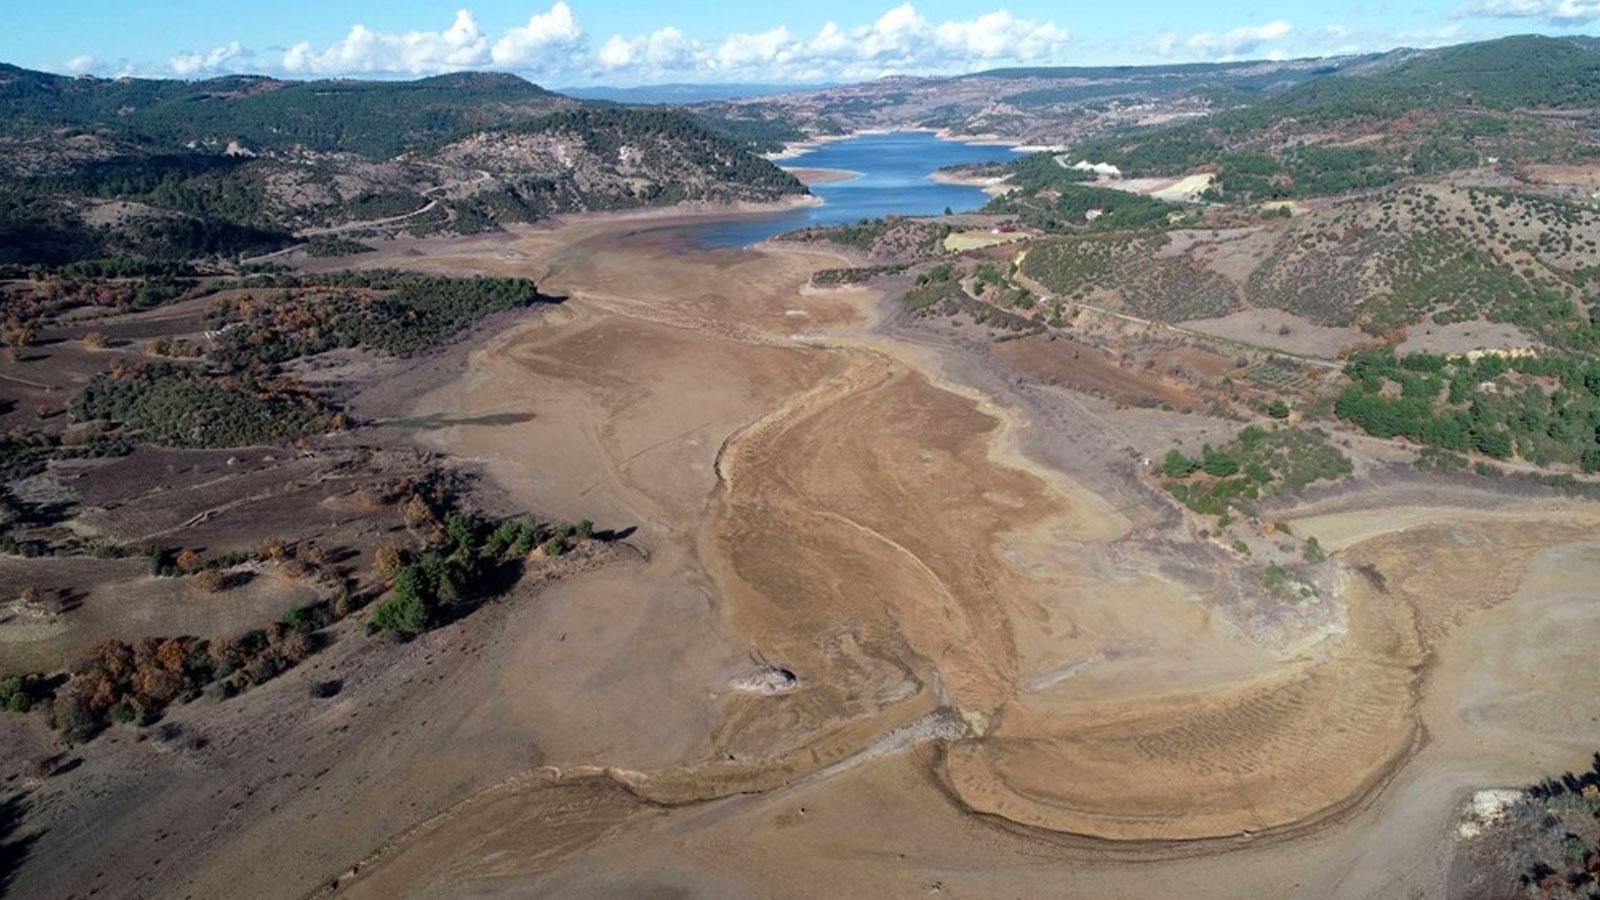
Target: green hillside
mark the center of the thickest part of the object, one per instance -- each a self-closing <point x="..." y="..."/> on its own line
<point x="1465" y="100"/>
<point x="373" y="118"/>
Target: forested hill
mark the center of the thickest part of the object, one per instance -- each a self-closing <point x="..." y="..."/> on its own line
<point x="373" y="118"/>
<point x="239" y="165"/>
<point x="1418" y="111"/>
<point x="1524" y="71"/>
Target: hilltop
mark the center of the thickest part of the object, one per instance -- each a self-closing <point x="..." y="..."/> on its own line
<point x="264" y="115"/>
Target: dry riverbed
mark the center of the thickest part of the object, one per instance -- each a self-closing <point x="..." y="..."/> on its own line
<point x="894" y="621"/>
<point x="974" y="637"/>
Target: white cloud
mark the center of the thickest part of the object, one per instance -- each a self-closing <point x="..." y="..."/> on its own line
<point x="185" y="65"/>
<point x="548" y="38"/>
<point x="900" y="40"/>
<point x="743" y="51"/>
<point x="1163" y="44"/>
<point x="1553" y="12"/>
<point x="1238" y="42"/>
<point x="82" y="64"/>
<point x="665" y="49"/>
<point x="999" y="35"/>
<point x="462" y="45"/>
<point x="897" y="35"/>
<point x="553" y="43"/>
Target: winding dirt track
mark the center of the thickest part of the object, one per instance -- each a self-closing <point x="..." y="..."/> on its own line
<point x="851" y="515"/>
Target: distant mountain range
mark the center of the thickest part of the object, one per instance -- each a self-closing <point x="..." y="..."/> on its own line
<point x="1162" y="119"/>
<point x="681" y="94"/>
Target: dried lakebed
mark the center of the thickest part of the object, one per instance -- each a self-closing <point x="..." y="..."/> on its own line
<point x="969" y="631"/>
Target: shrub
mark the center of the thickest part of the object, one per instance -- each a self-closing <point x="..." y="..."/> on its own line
<point x="462" y="530"/>
<point x="186" y="406"/>
<point x="1258" y="462"/>
<point x="1314" y="552"/>
<point x="1176" y="465"/>
<point x="418" y="512"/>
<point x="18" y="693"/>
<point x="211" y="581"/>
<point x="1217" y="464"/>
<point x="388" y="559"/>
<point x="409" y="610"/>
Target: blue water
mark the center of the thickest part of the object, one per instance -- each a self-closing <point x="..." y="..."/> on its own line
<point x="894" y="179"/>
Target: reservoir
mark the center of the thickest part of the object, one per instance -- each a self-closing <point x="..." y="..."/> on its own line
<point x="893" y="180"/>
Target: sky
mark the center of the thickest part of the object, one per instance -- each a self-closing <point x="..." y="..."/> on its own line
<point x="568" y="43"/>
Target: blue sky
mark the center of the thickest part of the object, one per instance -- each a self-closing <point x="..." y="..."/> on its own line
<point x="580" y="42"/>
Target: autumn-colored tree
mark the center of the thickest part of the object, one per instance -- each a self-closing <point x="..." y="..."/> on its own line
<point x="114" y="658"/>
<point x="418" y="512"/>
<point x="296" y="646"/>
<point x="187" y="560"/>
<point x="273" y="549"/>
<point x="225" y="651"/>
<point x="96" y="340"/>
<point x="173" y="654"/>
<point x="211" y="581"/>
<point x="158" y="686"/>
<point x="388" y="559"/>
<point x="21" y="335"/>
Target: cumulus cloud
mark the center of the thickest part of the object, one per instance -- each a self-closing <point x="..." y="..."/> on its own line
<point x="1238" y="42"/>
<point x="1553" y="12"/>
<point x="554" y="43"/>
<point x="899" y="40"/>
<point x="999" y="35"/>
<point x="665" y="49"/>
<point x="548" y="37"/>
<point x="545" y="43"/>
<point x="462" y="45"/>
<point x="186" y="65"/>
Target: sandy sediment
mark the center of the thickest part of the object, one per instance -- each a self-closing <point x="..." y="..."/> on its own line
<point x="993" y="185"/>
<point x="813" y="175"/>
<point x="821" y="498"/>
<point x="874" y="528"/>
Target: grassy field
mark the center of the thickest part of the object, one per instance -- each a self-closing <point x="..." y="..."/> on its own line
<point x="962" y="241"/>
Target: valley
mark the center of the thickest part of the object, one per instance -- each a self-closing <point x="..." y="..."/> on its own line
<point x="1183" y="509"/>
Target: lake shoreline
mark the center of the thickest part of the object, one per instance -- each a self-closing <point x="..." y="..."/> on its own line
<point x="809" y="176"/>
<point x="870" y="174"/>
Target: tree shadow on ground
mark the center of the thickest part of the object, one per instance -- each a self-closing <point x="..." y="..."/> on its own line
<point x="14" y="848"/>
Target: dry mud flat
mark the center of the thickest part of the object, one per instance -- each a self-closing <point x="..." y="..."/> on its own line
<point x="870" y="644"/>
<point x="964" y="627"/>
